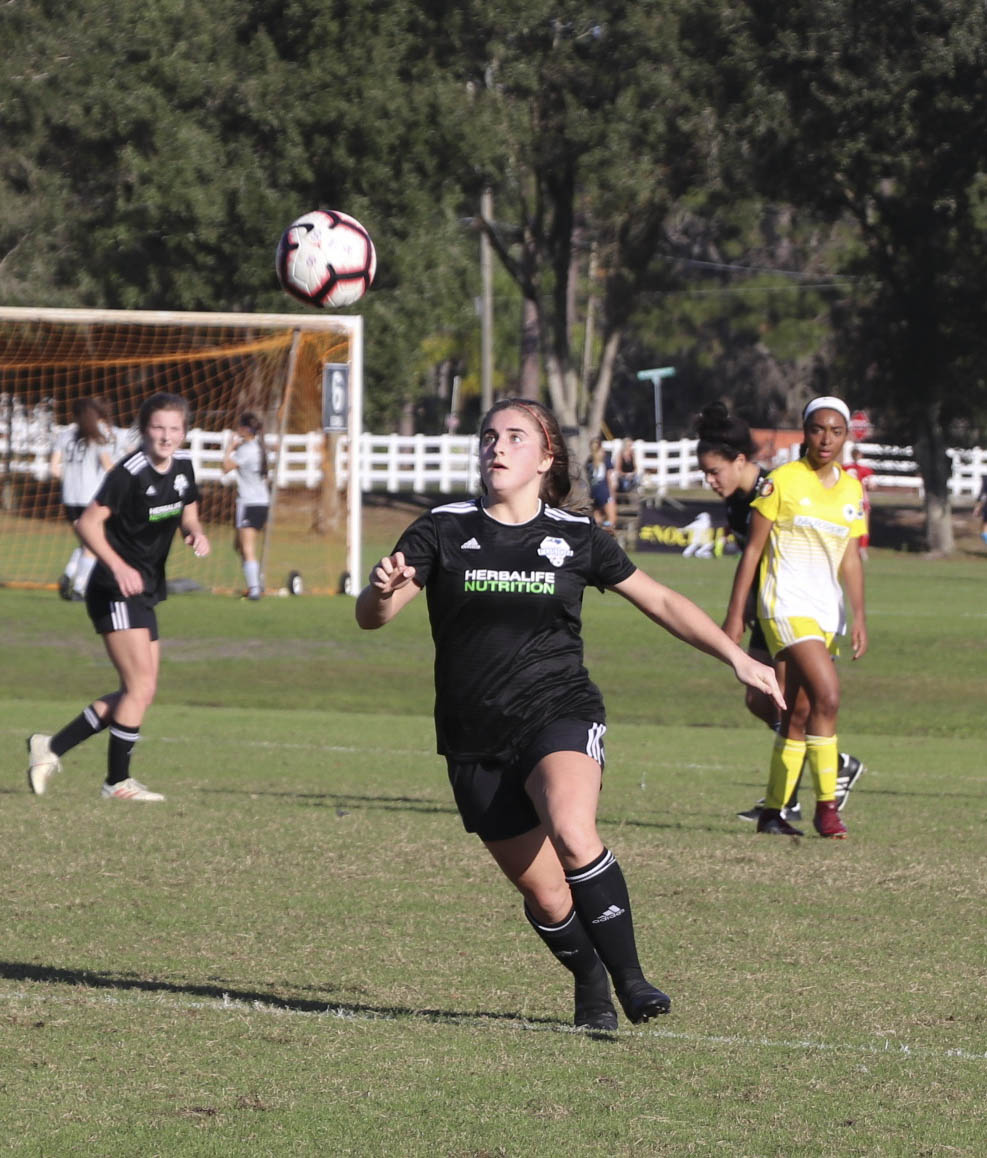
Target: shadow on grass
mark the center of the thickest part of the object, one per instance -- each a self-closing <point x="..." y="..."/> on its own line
<point x="84" y="979"/>
<point x="341" y="799"/>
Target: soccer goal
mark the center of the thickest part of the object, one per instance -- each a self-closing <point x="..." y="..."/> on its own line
<point x="283" y="367"/>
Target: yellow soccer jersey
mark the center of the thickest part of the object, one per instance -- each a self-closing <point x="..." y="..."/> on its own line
<point x="811" y="527"/>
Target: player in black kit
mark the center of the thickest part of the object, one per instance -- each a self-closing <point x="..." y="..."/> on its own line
<point x="517" y="718"/>
<point x="129" y="527"/>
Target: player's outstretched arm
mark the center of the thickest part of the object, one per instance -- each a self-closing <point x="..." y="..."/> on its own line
<point x="391" y="587"/>
<point x="682" y="618"/>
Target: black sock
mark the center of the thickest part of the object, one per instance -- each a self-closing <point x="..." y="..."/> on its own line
<point x="570" y="944"/>
<point x="599" y="893"/>
<point x="123" y="740"/>
<point x="86" y="724"/>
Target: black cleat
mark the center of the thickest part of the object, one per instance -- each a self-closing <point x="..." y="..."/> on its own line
<point x="789" y="812"/>
<point x="773" y="823"/>
<point x="594" y="1009"/>
<point x="850" y="771"/>
<point x="641" y="1002"/>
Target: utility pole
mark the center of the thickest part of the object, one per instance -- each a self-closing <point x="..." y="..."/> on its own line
<point x="655" y="377"/>
<point x="486" y="305"/>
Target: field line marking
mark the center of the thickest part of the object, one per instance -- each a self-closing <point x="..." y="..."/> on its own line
<point x="344" y="1013"/>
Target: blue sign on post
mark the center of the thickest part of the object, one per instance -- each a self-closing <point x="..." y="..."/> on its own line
<point x="335" y="397"/>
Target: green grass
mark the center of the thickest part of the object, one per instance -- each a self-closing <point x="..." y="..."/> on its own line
<point x="302" y="953"/>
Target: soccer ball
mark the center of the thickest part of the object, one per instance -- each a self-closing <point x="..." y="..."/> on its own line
<point x="326" y="258"/>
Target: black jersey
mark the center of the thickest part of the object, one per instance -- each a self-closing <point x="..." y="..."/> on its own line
<point x="504" y="602"/>
<point x="739" y="509"/>
<point x="146" y="507"/>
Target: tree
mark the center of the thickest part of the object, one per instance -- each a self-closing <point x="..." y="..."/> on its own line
<point x="875" y="113"/>
<point x="591" y="122"/>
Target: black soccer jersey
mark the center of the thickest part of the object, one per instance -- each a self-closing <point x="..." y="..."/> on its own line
<point x="739" y="509"/>
<point x="504" y="602"/>
<point x="146" y="508"/>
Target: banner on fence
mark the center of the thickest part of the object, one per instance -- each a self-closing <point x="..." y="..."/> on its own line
<point x="690" y="529"/>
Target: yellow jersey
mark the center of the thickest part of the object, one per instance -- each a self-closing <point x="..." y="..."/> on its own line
<point x="811" y="527"/>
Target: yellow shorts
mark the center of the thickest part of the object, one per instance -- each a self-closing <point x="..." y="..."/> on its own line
<point x="782" y="633"/>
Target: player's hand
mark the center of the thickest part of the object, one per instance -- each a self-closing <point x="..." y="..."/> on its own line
<point x="390" y="574"/>
<point x="858" y="640"/>
<point x="198" y="542"/>
<point x="760" y="677"/>
<point x="129" y="580"/>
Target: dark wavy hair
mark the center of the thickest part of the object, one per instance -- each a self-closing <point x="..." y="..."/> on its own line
<point x="723" y="433"/>
<point x="252" y="423"/>
<point x="556" y="484"/>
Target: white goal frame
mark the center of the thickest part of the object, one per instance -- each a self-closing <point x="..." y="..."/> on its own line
<point x="350" y="324"/>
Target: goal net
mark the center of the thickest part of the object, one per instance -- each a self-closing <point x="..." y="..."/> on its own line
<point x="274" y="365"/>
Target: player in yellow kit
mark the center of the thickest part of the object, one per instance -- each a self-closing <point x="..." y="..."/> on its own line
<point x="804" y="537"/>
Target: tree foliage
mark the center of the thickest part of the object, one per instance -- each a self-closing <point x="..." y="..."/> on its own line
<point x="875" y="112"/>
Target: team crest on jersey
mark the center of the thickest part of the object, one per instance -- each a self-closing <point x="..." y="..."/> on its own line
<point x="181" y="482"/>
<point x="852" y="511"/>
<point x="766" y="488"/>
<point x="555" y="549"/>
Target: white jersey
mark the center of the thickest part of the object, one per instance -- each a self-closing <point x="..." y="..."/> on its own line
<point x="82" y="465"/>
<point x="252" y="488"/>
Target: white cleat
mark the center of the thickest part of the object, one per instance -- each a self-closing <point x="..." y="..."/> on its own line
<point x="43" y="763"/>
<point x="129" y="789"/>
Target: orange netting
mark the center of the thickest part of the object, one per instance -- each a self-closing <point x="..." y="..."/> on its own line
<point x="222" y="369"/>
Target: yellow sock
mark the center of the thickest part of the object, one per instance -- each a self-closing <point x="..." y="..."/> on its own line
<point x="824" y="759"/>
<point x="787" y="757"/>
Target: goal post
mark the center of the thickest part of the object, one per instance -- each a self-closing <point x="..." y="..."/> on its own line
<point x="223" y="364"/>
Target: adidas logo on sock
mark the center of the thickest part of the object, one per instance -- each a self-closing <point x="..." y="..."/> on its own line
<point x="608" y="915"/>
<point x="470" y="545"/>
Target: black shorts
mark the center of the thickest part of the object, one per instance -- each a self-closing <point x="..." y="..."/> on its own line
<point x="72" y="513"/>
<point x="490" y="796"/>
<point x="757" y="642"/>
<point x="255" y="517"/>
<point x="110" y="614"/>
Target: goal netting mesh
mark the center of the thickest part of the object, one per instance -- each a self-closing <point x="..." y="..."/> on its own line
<point x="223" y="364"/>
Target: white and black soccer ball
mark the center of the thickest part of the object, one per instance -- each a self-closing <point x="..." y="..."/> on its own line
<point x="326" y="258"/>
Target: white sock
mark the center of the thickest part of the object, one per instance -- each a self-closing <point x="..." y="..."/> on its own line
<point x="251" y="572"/>
<point x="82" y="573"/>
<point x="73" y="563"/>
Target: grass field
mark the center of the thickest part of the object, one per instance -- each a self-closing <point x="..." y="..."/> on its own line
<point x="302" y="953"/>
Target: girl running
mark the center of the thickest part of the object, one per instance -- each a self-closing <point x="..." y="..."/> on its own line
<point x="517" y="718"/>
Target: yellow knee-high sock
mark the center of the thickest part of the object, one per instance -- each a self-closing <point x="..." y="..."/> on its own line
<point x="786" y="764"/>
<point x="824" y="759"/>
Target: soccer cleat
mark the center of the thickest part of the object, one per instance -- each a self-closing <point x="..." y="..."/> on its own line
<point x="772" y="822"/>
<point x="254" y="594"/>
<point x="594" y="1009"/>
<point x="64" y="587"/>
<point x="851" y="769"/>
<point x="129" y="789"/>
<point x="790" y="812"/>
<point x="43" y="763"/>
<point x="642" y="1001"/>
<point x="827" y="820"/>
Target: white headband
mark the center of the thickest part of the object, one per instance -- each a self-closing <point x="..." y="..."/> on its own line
<point x="826" y="403"/>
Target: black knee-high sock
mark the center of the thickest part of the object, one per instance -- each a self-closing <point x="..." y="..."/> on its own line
<point x="123" y="740"/>
<point x="570" y="945"/>
<point x="599" y="893"/>
<point x="86" y="724"/>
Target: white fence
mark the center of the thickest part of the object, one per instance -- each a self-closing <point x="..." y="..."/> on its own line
<point x="447" y="463"/>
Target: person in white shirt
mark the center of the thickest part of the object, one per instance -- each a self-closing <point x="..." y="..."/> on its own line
<point x="83" y="453"/>
<point x="246" y="455"/>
